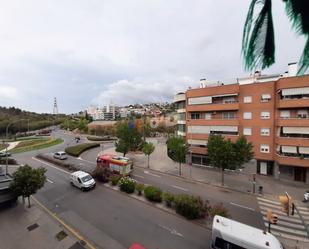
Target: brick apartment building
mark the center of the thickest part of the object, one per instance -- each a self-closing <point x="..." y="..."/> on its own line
<point x="270" y="110"/>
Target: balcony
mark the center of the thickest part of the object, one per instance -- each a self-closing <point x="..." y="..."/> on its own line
<point x="205" y="136"/>
<point x="207" y="122"/>
<point x="302" y="122"/>
<point x="293" y="103"/>
<point x="198" y="150"/>
<point x="213" y="107"/>
<point x="292" y="161"/>
<point x="292" y="141"/>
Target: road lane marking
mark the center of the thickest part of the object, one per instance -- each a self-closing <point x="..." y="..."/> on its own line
<point x="285" y="229"/>
<point x="148" y="173"/>
<point x="177" y="187"/>
<point x="50" y="165"/>
<point x="245" y="207"/>
<point x="50" y="181"/>
<point x="288" y="236"/>
<point x="65" y="225"/>
<point x="269" y="205"/>
<point x="171" y="230"/>
<point x="138" y="176"/>
<point x="79" y="158"/>
<point x="281" y="217"/>
<point x="266" y="200"/>
<point x="284" y="223"/>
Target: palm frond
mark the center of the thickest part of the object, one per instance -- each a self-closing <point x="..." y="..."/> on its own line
<point x="258" y="40"/>
<point x="298" y="12"/>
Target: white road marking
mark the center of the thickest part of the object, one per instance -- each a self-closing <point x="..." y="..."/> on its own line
<point x="245" y="207"/>
<point x="86" y="161"/>
<point x="269" y="205"/>
<point x="285" y="218"/>
<point x="171" y="230"/>
<point x="183" y="189"/>
<point x="270" y="201"/>
<point x="288" y="236"/>
<point x="50" y="165"/>
<point x="148" y="173"/>
<point x="138" y="176"/>
<point x="284" y="223"/>
<point x="285" y="229"/>
<point x="50" y="181"/>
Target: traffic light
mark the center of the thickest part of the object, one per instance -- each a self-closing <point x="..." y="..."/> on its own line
<point x="285" y="201"/>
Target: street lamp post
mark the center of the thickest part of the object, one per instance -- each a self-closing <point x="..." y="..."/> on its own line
<point x="6" y="137"/>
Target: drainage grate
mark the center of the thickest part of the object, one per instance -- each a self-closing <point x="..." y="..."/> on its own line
<point x="32" y="227"/>
<point x="61" y="235"/>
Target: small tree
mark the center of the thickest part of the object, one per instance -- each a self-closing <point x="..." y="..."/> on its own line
<point x="225" y="154"/>
<point x="122" y="147"/>
<point x="148" y="148"/>
<point x="27" y="181"/>
<point x="177" y="150"/>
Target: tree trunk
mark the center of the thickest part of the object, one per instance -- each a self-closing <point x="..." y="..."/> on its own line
<point x="124" y="154"/>
<point x="23" y="197"/>
<point x="180" y="169"/>
<point x="29" y="205"/>
<point x="222" y="176"/>
<point x="148" y="161"/>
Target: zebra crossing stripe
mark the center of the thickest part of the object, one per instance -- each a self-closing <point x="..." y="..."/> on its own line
<point x="288" y="236"/>
<point x="267" y="200"/>
<point x="284" y="223"/>
<point x="269" y="205"/>
<point x="303" y="208"/>
<point x="285" y="218"/>
<point x="285" y="229"/>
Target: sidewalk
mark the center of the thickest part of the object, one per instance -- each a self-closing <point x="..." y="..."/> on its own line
<point x="30" y="228"/>
<point x="239" y="181"/>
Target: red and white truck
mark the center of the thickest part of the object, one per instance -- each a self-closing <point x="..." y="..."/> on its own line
<point x="117" y="164"/>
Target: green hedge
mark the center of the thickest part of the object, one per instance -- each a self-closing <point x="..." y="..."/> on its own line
<point x="103" y="138"/>
<point x="35" y="144"/>
<point x="153" y="193"/>
<point x="76" y="150"/>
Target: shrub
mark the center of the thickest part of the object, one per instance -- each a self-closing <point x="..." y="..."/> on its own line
<point x="139" y="187"/>
<point x="80" y="148"/>
<point x="190" y="207"/>
<point x="127" y="185"/>
<point x="115" y="179"/>
<point x="153" y="194"/>
<point x="101" y="174"/>
<point x="219" y="209"/>
<point x="168" y="198"/>
<point x="98" y="138"/>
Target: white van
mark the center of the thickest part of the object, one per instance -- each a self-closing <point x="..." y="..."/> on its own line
<point x="230" y="234"/>
<point x="82" y="180"/>
<point x="60" y="155"/>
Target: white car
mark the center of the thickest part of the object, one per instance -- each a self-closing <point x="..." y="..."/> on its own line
<point x="60" y="155"/>
<point x="82" y="180"/>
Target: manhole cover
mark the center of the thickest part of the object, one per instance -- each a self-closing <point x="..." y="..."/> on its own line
<point x="61" y="235"/>
<point x="33" y="226"/>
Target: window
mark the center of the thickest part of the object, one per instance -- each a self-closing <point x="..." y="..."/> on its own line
<point x="195" y="116"/>
<point x="265" y="115"/>
<point x="208" y="115"/>
<point x="247" y="115"/>
<point x="229" y="115"/>
<point x="265" y="131"/>
<point x="247" y="131"/>
<point x="264" y="148"/>
<point x="302" y="114"/>
<point x="229" y="100"/>
<point x="265" y="97"/>
<point x="248" y="99"/>
<point x="285" y="114"/>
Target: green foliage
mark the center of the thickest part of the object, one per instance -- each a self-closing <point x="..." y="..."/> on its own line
<point x="153" y="193"/>
<point x="148" y="148"/>
<point x="122" y="147"/>
<point x="27" y="181"/>
<point x="225" y="154"/>
<point x="219" y="209"/>
<point x="168" y="198"/>
<point x="35" y="144"/>
<point x="191" y="207"/>
<point x="127" y="185"/>
<point x="129" y="137"/>
<point x="115" y="179"/>
<point x="139" y="188"/>
<point x="100" y="138"/>
<point x="177" y="150"/>
<point x="258" y="45"/>
<point x="72" y="124"/>
<point x="76" y="150"/>
<point x="101" y="174"/>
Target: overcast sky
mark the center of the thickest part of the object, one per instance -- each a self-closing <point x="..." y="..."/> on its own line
<point x="95" y="51"/>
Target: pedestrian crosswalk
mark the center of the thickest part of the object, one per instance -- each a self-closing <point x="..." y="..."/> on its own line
<point x="290" y="227"/>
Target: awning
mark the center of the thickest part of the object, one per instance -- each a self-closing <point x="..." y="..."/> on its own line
<point x="224" y="128"/>
<point x="296" y="130"/>
<point x="225" y="95"/>
<point x="304" y="150"/>
<point x="266" y="96"/>
<point x="200" y="100"/>
<point x="197" y="142"/>
<point x="295" y="91"/>
<point x="199" y="129"/>
<point x="289" y="149"/>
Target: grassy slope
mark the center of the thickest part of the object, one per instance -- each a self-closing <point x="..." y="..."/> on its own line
<point x="36" y="144"/>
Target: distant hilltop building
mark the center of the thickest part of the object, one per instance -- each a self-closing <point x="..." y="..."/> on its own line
<point x="108" y="112"/>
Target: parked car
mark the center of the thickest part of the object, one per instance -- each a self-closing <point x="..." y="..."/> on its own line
<point x="82" y="180"/>
<point x="5" y="154"/>
<point x="60" y="155"/>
